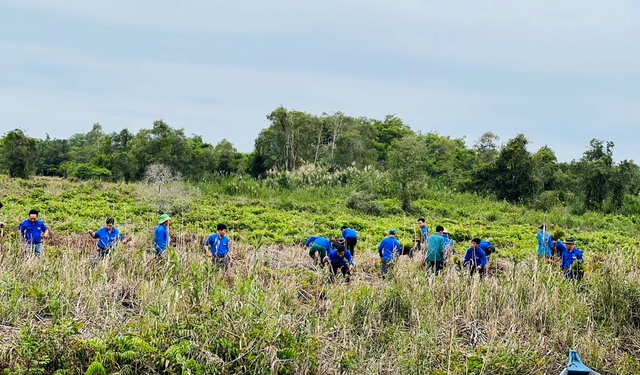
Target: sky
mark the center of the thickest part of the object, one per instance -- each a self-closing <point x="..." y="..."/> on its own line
<point x="559" y="71"/>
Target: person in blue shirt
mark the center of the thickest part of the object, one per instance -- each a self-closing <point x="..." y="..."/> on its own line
<point x="475" y="258"/>
<point x="569" y="257"/>
<point x="32" y="231"/>
<point x="218" y="245"/>
<point x="161" y="235"/>
<point x="108" y="238"/>
<point x="487" y="247"/>
<point x="545" y="242"/>
<point x="338" y="242"/>
<point x="560" y="247"/>
<point x="424" y="233"/>
<point x="387" y="250"/>
<point x="339" y="259"/>
<point x="319" y="245"/>
<point x="449" y="244"/>
<point x="351" y="239"/>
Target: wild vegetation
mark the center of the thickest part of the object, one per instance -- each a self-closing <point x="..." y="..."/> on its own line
<point x="276" y="313"/>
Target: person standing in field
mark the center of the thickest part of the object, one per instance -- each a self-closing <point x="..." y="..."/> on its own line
<point x="319" y="245"/>
<point x="475" y="258"/>
<point x="1" y="223"/>
<point x="339" y="259"/>
<point x="572" y="261"/>
<point x="351" y="238"/>
<point x="545" y="242"/>
<point x="449" y="244"/>
<point x="218" y="245"/>
<point x="32" y="231"/>
<point x="387" y="250"/>
<point x="435" y="251"/>
<point x="161" y="235"/>
<point x="424" y="233"/>
<point x="108" y="238"/>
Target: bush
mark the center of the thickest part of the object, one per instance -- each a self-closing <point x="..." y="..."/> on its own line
<point x="363" y="203"/>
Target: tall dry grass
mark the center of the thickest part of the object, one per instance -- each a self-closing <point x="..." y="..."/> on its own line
<point x="275" y="313"/>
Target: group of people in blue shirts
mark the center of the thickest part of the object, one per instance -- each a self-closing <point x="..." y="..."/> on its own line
<point x="339" y="255"/>
<point x="569" y="255"/>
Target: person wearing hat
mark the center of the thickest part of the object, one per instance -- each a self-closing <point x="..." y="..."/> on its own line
<point x="449" y="244"/>
<point x="387" y="249"/>
<point x="320" y="245"/>
<point x="161" y="235"/>
<point x="545" y="242"/>
<point x="339" y="259"/>
<point x="435" y="251"/>
<point x="338" y="242"/>
<point x="218" y="244"/>
<point x="108" y="238"/>
<point x="351" y="239"/>
<point x="569" y="257"/>
<point x="475" y="258"/>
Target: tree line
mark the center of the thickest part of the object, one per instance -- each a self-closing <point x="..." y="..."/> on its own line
<point x="336" y="141"/>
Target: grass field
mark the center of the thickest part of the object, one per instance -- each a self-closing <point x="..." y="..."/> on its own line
<point x="274" y="313"/>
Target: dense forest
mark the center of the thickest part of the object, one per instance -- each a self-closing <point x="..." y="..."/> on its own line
<point x="398" y="161"/>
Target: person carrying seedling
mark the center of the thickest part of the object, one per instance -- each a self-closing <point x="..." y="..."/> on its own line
<point x="475" y="258"/>
<point x="161" y="235"/>
<point x="572" y="261"/>
<point x="545" y="242"/>
<point x="387" y="250"/>
<point x="32" y="231"/>
<point x="108" y="238"/>
<point x="319" y="245"/>
<point x="424" y="233"/>
<point x="351" y="239"/>
<point x="339" y="259"/>
<point x="435" y="251"/>
<point x="218" y="245"/>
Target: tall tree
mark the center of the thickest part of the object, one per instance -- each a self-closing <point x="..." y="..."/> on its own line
<point x="597" y="167"/>
<point x="513" y="171"/>
<point x="19" y="153"/>
<point x="487" y="147"/>
<point x="544" y="169"/>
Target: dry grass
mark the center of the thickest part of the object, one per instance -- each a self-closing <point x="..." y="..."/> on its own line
<point x="276" y="313"/>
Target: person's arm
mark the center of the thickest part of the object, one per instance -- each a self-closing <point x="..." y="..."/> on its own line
<point x="380" y="248"/>
<point x="580" y="257"/>
<point x="91" y="233"/>
<point x="398" y="246"/>
<point x="467" y="257"/>
<point x="350" y="260"/>
<point x="45" y="230"/>
<point x="310" y="241"/>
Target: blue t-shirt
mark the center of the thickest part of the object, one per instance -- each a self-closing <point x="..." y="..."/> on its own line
<point x="477" y="257"/>
<point x="219" y="246"/>
<point x="425" y="233"/>
<point x="32" y="233"/>
<point x="568" y="257"/>
<point x="321" y="241"/>
<point x="388" y="246"/>
<point x="161" y="238"/>
<point x="334" y="258"/>
<point x="106" y="239"/>
<point x="349" y="234"/>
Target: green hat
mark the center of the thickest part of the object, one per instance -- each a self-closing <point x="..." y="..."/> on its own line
<point x="163" y="218"/>
<point x="393" y="231"/>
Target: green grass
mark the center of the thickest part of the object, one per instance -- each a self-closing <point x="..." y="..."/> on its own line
<point x="274" y="313"/>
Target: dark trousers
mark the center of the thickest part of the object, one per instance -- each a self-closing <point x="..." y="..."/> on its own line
<point x="351" y="245"/>
<point x="387" y="265"/>
<point x="320" y="250"/>
<point x="342" y="267"/>
<point x="435" y="266"/>
<point x="481" y="272"/>
<point x="220" y="261"/>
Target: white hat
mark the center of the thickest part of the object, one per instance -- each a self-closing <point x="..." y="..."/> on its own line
<point x="445" y="231"/>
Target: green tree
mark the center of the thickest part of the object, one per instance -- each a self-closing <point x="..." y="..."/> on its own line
<point x="597" y="167"/>
<point x="407" y="165"/>
<point x="51" y="154"/>
<point x="226" y="159"/>
<point x="388" y="131"/>
<point x="19" y="153"/>
<point x="544" y="169"/>
<point x="513" y="171"/>
<point x="487" y="147"/>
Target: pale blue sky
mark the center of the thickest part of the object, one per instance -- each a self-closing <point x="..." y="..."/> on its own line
<point x="561" y="72"/>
